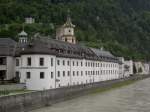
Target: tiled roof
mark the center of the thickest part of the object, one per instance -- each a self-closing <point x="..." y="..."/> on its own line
<point x="102" y="52"/>
<point x="45" y="45"/>
<point x="104" y="55"/>
<point x="7" y="47"/>
<point x="59" y="48"/>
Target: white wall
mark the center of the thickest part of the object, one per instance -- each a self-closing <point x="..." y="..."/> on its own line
<point x="81" y="71"/>
<point x="35" y="83"/>
<point x="146" y="68"/>
<point x="10" y="67"/>
<point x="130" y="64"/>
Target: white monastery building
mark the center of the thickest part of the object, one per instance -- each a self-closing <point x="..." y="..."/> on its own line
<point x="44" y="63"/>
<point x="142" y="68"/>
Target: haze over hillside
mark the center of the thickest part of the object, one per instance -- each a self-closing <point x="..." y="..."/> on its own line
<point x="121" y="26"/>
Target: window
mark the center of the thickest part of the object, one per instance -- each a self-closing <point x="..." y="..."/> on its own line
<point x="88" y="64"/>
<point x="65" y="39"/>
<point x="63" y="62"/>
<point x="58" y="73"/>
<point x="58" y="63"/>
<point x="77" y="63"/>
<point x="68" y="73"/>
<point x="73" y="73"/>
<point x="28" y="75"/>
<point x="81" y="64"/>
<point x="2" y="74"/>
<point x="63" y="73"/>
<point x="81" y="73"/>
<point x="51" y="61"/>
<point x="41" y="75"/>
<point x="17" y="74"/>
<point x="41" y="61"/>
<point x="72" y="40"/>
<point x="52" y="75"/>
<point x="17" y="62"/>
<point x="73" y="63"/>
<point x="68" y="63"/>
<point x="2" y="60"/>
<point x="29" y="61"/>
<point x="85" y="63"/>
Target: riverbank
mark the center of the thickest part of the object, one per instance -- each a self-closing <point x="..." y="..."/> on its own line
<point x="114" y="86"/>
<point x="30" y="101"/>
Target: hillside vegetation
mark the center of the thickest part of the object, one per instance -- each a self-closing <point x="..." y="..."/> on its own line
<point x="121" y="26"/>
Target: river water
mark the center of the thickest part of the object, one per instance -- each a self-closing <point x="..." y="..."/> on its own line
<point x="131" y="98"/>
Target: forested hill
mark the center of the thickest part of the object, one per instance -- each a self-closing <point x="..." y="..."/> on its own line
<point x="121" y="26"/>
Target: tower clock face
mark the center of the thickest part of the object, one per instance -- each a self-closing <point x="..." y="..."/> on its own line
<point x="69" y="31"/>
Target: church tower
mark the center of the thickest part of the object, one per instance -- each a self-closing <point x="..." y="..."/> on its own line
<point x="23" y="37"/>
<point x="66" y="32"/>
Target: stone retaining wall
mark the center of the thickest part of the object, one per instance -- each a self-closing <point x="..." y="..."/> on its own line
<point x="29" y="101"/>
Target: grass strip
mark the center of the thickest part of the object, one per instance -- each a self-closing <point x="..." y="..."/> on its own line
<point x="13" y="92"/>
